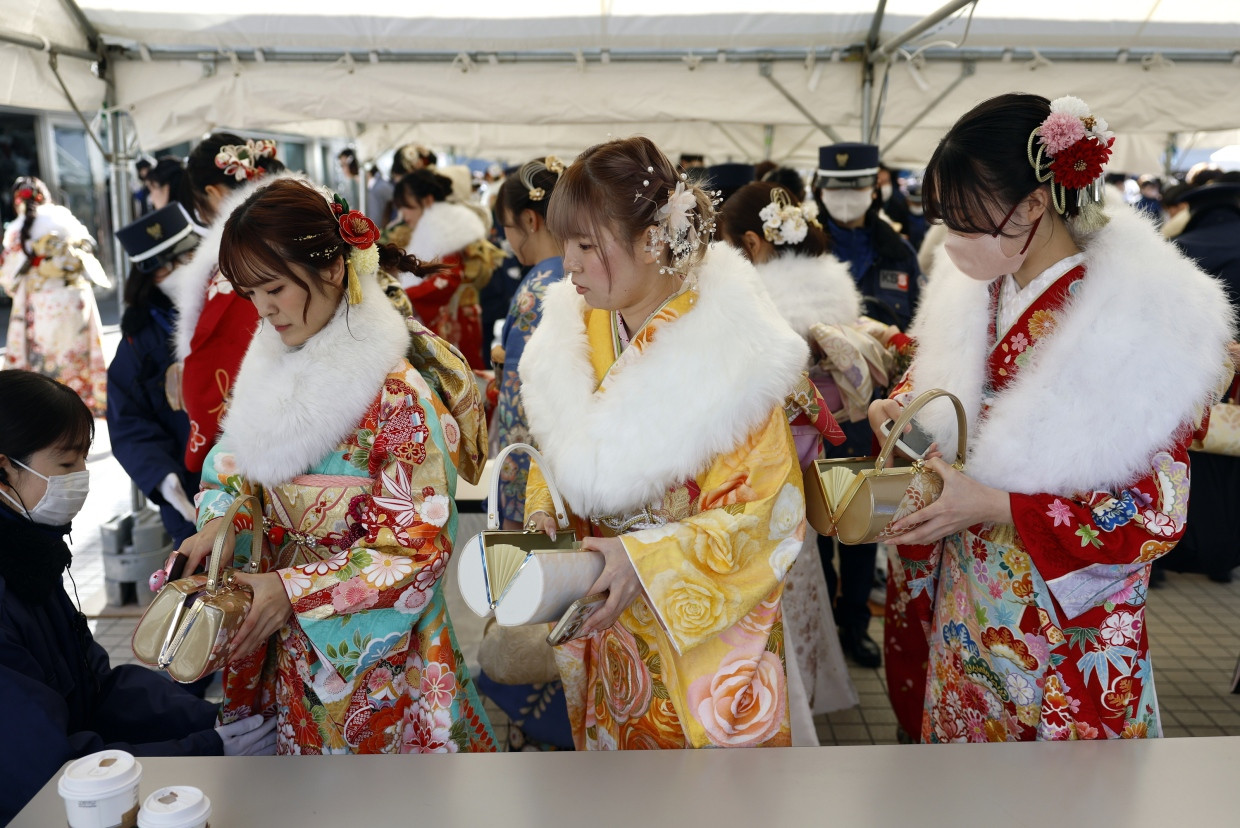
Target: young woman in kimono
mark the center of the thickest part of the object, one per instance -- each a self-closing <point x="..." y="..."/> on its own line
<point x="815" y="293"/>
<point x="1022" y="589"/>
<point x="213" y="324"/>
<point x="655" y="387"/>
<point x="355" y="459"/>
<point x="455" y="235"/>
<point x="48" y="267"/>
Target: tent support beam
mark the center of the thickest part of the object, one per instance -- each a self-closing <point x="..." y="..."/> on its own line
<point x="933" y="19"/>
<point x="967" y="69"/>
<point x="88" y="28"/>
<point x="745" y="154"/>
<point x="40" y="45"/>
<point x="867" y="70"/>
<point x="767" y="71"/>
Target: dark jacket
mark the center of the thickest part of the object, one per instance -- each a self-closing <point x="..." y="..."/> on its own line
<point x="883" y="265"/>
<point x="148" y="437"/>
<point x="1212" y="237"/>
<point x="62" y="700"/>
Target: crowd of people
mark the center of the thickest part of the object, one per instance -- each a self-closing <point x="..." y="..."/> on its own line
<point x="684" y="343"/>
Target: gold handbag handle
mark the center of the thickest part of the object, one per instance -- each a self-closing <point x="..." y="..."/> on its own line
<point x="906" y="416"/>
<point x="221" y="537"/>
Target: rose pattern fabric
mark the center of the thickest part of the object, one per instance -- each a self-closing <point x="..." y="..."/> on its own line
<point x="368" y="663"/>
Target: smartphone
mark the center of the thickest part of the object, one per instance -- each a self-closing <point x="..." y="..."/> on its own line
<point x="574" y="618"/>
<point x="913" y="444"/>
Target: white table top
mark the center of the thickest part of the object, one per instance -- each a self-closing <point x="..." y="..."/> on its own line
<point x="1156" y="783"/>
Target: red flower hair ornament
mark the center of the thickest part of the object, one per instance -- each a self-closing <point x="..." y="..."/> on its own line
<point x="1070" y="149"/>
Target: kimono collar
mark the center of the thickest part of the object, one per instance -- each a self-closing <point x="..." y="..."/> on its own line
<point x="695" y="387"/>
<point x="292" y="407"/>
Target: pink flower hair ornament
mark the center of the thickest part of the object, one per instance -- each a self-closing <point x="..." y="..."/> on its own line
<point x="1070" y="149"/>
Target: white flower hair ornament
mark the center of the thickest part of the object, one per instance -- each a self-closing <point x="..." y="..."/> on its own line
<point x="680" y="226"/>
<point x="782" y="221"/>
<point x="241" y="160"/>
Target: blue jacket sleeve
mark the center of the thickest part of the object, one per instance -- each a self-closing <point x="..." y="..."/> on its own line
<point x="143" y="445"/>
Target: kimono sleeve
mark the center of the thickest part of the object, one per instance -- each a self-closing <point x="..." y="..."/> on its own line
<point x="363" y="602"/>
<point x="704" y="574"/>
<point x="1090" y="546"/>
<point x="537" y="495"/>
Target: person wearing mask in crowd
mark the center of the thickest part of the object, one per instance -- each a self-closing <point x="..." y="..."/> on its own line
<point x="168" y="184"/>
<point x="66" y="698"/>
<point x="355" y="459"/>
<point x="1176" y="210"/>
<point x="1212" y="235"/>
<point x="895" y="205"/>
<point x="915" y="225"/>
<point x="655" y="387"/>
<point x="1150" y="201"/>
<point x="885" y="270"/>
<point x="48" y="267"/>
<point x="521" y="209"/>
<point x="147" y="431"/>
<point x="1018" y="606"/>
<point x="814" y="292"/>
<point x="214" y="324"/>
<point x="446" y="230"/>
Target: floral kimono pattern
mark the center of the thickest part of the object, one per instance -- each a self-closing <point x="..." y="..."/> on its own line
<point x="1036" y="631"/>
<point x="54" y="325"/>
<point x="510" y="423"/>
<point x="698" y="659"/>
<point x="368" y="663"/>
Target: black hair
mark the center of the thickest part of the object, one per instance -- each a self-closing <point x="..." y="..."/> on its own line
<point x="981" y="168"/>
<point x="39" y="194"/>
<point x="514" y="193"/>
<point x="201" y="169"/>
<point x="787" y="178"/>
<point x="402" y="161"/>
<point x="419" y="184"/>
<point x="170" y="172"/>
<point x="36" y="412"/>
<point x="351" y="156"/>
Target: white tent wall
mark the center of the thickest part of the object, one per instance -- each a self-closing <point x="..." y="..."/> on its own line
<point x="26" y="80"/>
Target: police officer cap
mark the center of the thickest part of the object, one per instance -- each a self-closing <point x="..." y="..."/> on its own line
<point x="158" y="238"/>
<point x="848" y="165"/>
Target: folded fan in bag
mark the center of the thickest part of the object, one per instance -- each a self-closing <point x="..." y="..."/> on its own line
<point x="858" y="498"/>
<point x="524" y="577"/>
<point x="188" y="629"/>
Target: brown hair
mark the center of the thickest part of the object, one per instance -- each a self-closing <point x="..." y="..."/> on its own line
<point x="514" y="195"/>
<point x="739" y="215"/>
<point x="288" y="229"/>
<point x="617" y="186"/>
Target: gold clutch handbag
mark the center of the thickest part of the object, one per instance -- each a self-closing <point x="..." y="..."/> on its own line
<point x="188" y="629"/>
<point x="857" y="498"/>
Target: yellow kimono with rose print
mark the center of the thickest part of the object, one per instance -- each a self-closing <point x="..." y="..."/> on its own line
<point x="368" y="661"/>
<point x="697" y="660"/>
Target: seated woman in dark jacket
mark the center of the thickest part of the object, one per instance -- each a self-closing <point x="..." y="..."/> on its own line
<point x="61" y="698"/>
<point x="148" y="426"/>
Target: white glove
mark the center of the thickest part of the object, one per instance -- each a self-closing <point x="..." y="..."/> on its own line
<point x="171" y="489"/>
<point x="249" y="737"/>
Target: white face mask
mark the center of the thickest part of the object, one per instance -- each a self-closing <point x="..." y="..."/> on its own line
<point x="60" y="504"/>
<point x="846" y="206"/>
<point x="885" y="191"/>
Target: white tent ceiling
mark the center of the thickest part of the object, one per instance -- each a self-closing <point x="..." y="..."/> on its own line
<point x="533" y="79"/>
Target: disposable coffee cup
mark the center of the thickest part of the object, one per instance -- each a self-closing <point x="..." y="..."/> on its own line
<point x="177" y="806"/>
<point x="101" y="790"/>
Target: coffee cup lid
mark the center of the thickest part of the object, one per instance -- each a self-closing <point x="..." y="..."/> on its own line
<point x="100" y="774"/>
<point x="174" y="806"/>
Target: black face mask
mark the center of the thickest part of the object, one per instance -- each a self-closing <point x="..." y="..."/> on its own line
<point x="33" y="558"/>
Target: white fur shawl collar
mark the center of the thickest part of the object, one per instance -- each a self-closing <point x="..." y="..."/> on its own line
<point x="1136" y="353"/>
<point x="706" y="381"/>
<point x="445" y="228"/>
<point x="187" y="285"/>
<point x="291" y="407"/>
<point x="808" y="290"/>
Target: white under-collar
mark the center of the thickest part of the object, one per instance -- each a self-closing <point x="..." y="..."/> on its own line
<point x="1015" y="300"/>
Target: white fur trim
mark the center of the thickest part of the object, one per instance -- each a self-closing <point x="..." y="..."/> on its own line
<point x="187" y="285"/>
<point x="1135" y="354"/>
<point x="808" y="290"/>
<point x="445" y="228"/>
<point x="291" y="407"/>
<point x="51" y="218"/>
<point x="706" y="381"/>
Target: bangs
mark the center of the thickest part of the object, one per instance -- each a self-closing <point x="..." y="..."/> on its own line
<point x="80" y="433"/>
<point x="248" y="263"/>
<point x="575" y="206"/>
<point x="958" y="192"/>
